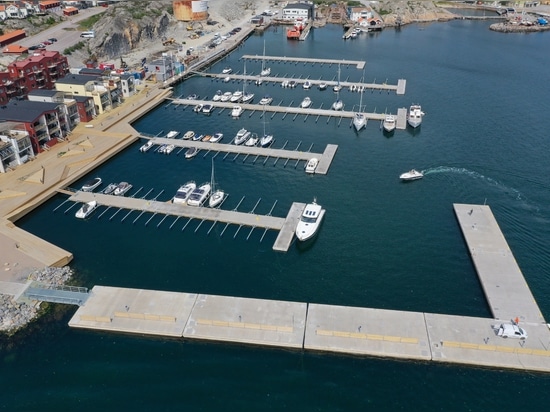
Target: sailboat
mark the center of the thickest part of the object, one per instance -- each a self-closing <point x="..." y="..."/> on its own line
<point x="359" y="119"/>
<point x="246" y="96"/>
<point x="338" y="104"/>
<point x="266" y="139"/>
<point x="218" y="195"/>
<point x="266" y="71"/>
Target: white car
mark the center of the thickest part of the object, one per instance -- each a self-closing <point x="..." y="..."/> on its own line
<point x="510" y="330"/>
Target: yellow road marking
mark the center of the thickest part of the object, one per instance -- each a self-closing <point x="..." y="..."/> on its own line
<point x="245" y="325"/>
<point x="495" y="348"/>
<point x="366" y="336"/>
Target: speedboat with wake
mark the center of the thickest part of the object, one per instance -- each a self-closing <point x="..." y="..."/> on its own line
<point x="310" y="221"/>
<point x="411" y="175"/>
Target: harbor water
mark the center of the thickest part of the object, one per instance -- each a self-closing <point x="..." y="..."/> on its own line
<point x="383" y="243"/>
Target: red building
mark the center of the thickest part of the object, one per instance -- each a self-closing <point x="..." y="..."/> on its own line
<point x="39" y="71"/>
<point x="12" y="37"/>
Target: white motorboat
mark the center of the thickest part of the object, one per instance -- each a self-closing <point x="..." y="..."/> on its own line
<point x="193" y="96"/>
<point x="162" y="148"/>
<point x="197" y="137"/>
<point x="322" y="86"/>
<point x="258" y="81"/>
<point x="184" y="192"/>
<point x="191" y="152"/>
<point x="310" y="221"/>
<point x="227" y="79"/>
<point x="198" y="108"/>
<point x="311" y="165"/>
<point x="247" y="97"/>
<point x="338" y="105"/>
<point x="217" y="97"/>
<point x="122" y="188"/>
<point x="86" y="209"/>
<point x="415" y="115"/>
<point x="411" y="175"/>
<point x="241" y="136"/>
<point x="146" y="146"/>
<point x="90" y="185"/>
<point x="217" y="194"/>
<point x="207" y="108"/>
<point x="337" y="88"/>
<point x="252" y="140"/>
<point x="227" y="70"/>
<point x="189" y="135"/>
<point x="169" y="148"/>
<point x="307" y="85"/>
<point x="172" y="134"/>
<point x="236" y="96"/>
<point x="389" y="123"/>
<point x="199" y="195"/>
<point x="110" y="188"/>
<point x="292" y="84"/>
<point x="226" y="96"/>
<point x="305" y="103"/>
<point x="237" y="111"/>
<point x="266" y="71"/>
<point x="359" y="121"/>
<point x="285" y="83"/>
<point x="216" y="137"/>
<point x="267" y="99"/>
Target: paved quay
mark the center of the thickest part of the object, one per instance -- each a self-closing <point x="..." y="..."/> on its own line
<point x="505" y="287"/>
<point x="359" y="64"/>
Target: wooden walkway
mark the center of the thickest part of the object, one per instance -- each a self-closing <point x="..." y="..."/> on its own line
<point x="325" y="158"/>
<point x="283" y="225"/>
<point x="398" y="89"/>
<point x="306" y="60"/>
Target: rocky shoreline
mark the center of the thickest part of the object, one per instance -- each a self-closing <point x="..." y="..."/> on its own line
<point x="508" y="27"/>
<point x="16" y="315"/>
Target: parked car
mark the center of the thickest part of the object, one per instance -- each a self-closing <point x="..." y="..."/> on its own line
<point x="35" y="47"/>
<point x="52" y="39"/>
<point x="510" y="330"/>
<point x="47" y="42"/>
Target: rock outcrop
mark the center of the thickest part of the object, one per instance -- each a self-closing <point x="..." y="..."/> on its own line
<point x="407" y="12"/>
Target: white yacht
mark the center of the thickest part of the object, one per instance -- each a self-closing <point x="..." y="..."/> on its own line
<point x="216" y="137"/>
<point x="241" y="137"/>
<point x="217" y="97"/>
<point x="90" y="185"/>
<point x="184" y="192"/>
<point x="236" y="96"/>
<point x="338" y="105"/>
<point x="189" y="135"/>
<point x="266" y="140"/>
<point x="285" y="83"/>
<point x="258" y="81"/>
<point x="247" y="97"/>
<point x="86" y="209"/>
<point x="122" y="188"/>
<point x="226" y="96"/>
<point x="359" y="121"/>
<point x="227" y="70"/>
<point x="305" y="103"/>
<point x="310" y="221"/>
<point x="146" y="146"/>
<point x="169" y="148"/>
<point x="199" y="195"/>
<point x="411" y="175"/>
<point x="415" y="115"/>
<point x="267" y="99"/>
<point x="191" y="152"/>
<point x="237" y="111"/>
<point x="307" y="85"/>
<point x="266" y="71"/>
<point x="172" y="134"/>
<point x="207" y="108"/>
<point x="252" y="140"/>
<point x="311" y="165"/>
<point x="198" y="108"/>
<point x="322" y="86"/>
<point x="389" y="123"/>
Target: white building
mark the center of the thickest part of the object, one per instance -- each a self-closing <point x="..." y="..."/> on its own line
<point x="15" y="145"/>
<point x="298" y="11"/>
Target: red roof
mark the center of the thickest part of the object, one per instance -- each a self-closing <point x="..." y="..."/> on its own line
<point x="11" y="35"/>
<point x="15" y="49"/>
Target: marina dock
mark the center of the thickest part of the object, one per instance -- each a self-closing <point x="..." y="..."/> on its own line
<point x="360" y="64"/>
<point x="341" y="329"/>
<point x="285" y="226"/>
<point x="398" y="88"/>
<point x="290" y="110"/>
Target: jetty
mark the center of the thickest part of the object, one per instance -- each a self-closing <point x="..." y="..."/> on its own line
<point x="359" y="64"/>
<point x="342" y="329"/>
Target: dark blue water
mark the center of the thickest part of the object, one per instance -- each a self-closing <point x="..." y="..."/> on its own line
<point x="383" y="244"/>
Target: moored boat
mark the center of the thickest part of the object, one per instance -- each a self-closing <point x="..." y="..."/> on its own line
<point x="415" y="115"/>
<point x="338" y="105"/>
<point x="236" y="96"/>
<point x="311" y="165"/>
<point x="217" y="97"/>
<point x="184" y="192"/>
<point x="227" y="70"/>
<point x="359" y="121"/>
<point x="198" y="108"/>
<point x="207" y="108"/>
<point x="92" y="184"/>
<point x="310" y="221"/>
<point x="247" y="97"/>
<point x="217" y="195"/>
<point x="226" y="96"/>
<point x="207" y="138"/>
<point x="217" y="137"/>
<point x="189" y="135"/>
<point x="191" y="152"/>
<point x="237" y="111"/>
<point x="307" y="85"/>
<point x="306" y="103"/>
<point x="266" y="140"/>
<point x="199" y="195"/>
<point x="86" y="209"/>
<point x="172" y="134"/>
<point x="122" y="188"/>
<point x="411" y="175"/>
<point x="241" y="136"/>
<point x="322" y="86"/>
<point x="146" y="146"/>
<point x="169" y="148"/>
<point x="267" y="99"/>
<point x="389" y="123"/>
<point x="110" y="188"/>
<point x="252" y="140"/>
